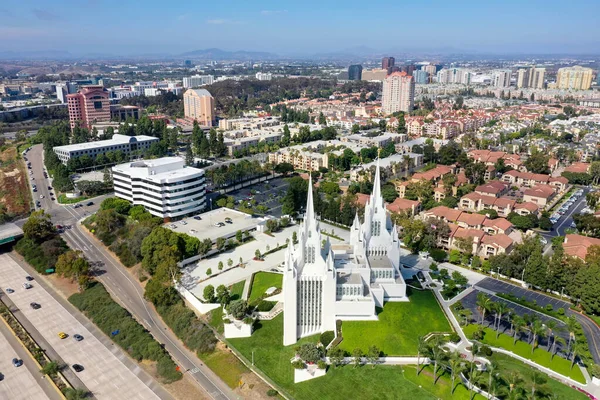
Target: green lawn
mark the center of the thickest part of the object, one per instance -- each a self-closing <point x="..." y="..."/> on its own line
<point x="540" y="356"/>
<point x="399" y="326"/>
<point x="365" y="383"/>
<point x="63" y="199"/>
<point x="261" y="282"/>
<point x="236" y="290"/>
<point x="215" y="319"/>
<point x="226" y="366"/>
<point x="562" y="391"/>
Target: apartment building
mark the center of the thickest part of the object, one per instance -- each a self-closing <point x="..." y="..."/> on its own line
<point x="574" y="78"/>
<point x="502" y="78"/>
<point x="129" y="145"/>
<point x="166" y="187"/>
<point x="89" y="105"/>
<point x="398" y="93"/>
<point x="199" y="104"/>
<point x="197" y="80"/>
<point x="532" y="77"/>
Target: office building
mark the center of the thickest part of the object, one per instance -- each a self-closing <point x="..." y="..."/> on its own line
<point x="166" y="187"/>
<point x="264" y="76"/>
<point x="501" y="78"/>
<point x="355" y="72"/>
<point x="324" y="282"/>
<point x="532" y="78"/>
<point x="398" y="93"/>
<point x="374" y="74"/>
<point x="89" y="105"/>
<point x="576" y="78"/>
<point x="199" y="104"/>
<point x="61" y="92"/>
<point x="197" y="80"/>
<point x="388" y="63"/>
<point x="130" y="146"/>
<point x="420" y="76"/>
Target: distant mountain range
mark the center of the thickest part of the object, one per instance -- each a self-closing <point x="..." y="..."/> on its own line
<point x="218" y="54"/>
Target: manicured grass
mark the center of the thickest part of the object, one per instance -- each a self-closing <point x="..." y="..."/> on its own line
<point x="540" y="356"/>
<point x="261" y="282"/>
<point x="215" y="319"/>
<point x="399" y="326"/>
<point x="562" y="391"/>
<point x="226" y="366"/>
<point x="365" y="383"/>
<point x="236" y="290"/>
<point x="63" y="199"/>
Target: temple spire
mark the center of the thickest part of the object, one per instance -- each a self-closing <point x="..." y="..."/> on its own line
<point x="377" y="184"/>
<point x="309" y="219"/>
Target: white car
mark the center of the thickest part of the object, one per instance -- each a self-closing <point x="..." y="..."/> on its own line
<point x="183" y="223"/>
<point x="41" y="196"/>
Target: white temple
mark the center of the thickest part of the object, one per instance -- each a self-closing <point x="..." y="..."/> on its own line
<point x="323" y="283"/>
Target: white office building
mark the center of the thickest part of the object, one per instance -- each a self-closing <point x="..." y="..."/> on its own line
<point x="197" y="80"/>
<point x="165" y="186"/>
<point x="264" y="76"/>
<point x="323" y="283"/>
<point x="129" y="145"/>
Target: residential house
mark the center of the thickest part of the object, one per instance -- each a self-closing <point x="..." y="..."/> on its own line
<point x="578" y="245"/>
<point x="540" y="195"/>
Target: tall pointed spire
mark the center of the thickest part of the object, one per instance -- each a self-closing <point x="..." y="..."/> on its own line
<point x="309" y="218"/>
<point x="376" y="196"/>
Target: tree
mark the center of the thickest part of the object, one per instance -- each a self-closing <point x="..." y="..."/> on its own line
<point x="309" y="352"/>
<point x="483" y="304"/>
<point x="107" y="177"/>
<point x="538" y="163"/>
<point x="238" y="309"/>
<point x="189" y="156"/>
<point x="38" y="227"/>
<point x="456" y="365"/>
<point x="223" y="295"/>
<point x="322" y="119"/>
<point x="257" y="254"/>
<point x="422" y="348"/>
<point x="229" y="262"/>
<point x="357" y="357"/>
<point x="285" y="140"/>
<point x="437" y="355"/>
<point x="284" y="168"/>
<point x="336" y="356"/>
<point x="72" y="265"/>
<point x="209" y="293"/>
<point x="373" y="355"/>
<point x="220" y="265"/>
<point x="50" y="368"/>
<point x="475" y="172"/>
<point x="536" y="380"/>
<point x="220" y="243"/>
<point x="501" y="309"/>
<point x="76" y="394"/>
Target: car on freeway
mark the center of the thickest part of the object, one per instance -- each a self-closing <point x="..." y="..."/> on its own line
<point x="9" y="290"/>
<point x="35" y="306"/>
<point x="78" y="337"/>
<point x="62" y="335"/>
<point x="77" y="367"/>
<point x="29" y="278"/>
<point x="16" y="362"/>
<point x="27" y="285"/>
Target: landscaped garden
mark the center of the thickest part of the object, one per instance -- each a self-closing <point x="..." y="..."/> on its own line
<point x="346" y="382"/>
<point x="261" y="282"/>
<point x="236" y="290"/>
<point x="539" y="355"/>
<point x="399" y="327"/>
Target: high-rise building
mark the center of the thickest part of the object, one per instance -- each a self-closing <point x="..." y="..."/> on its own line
<point x="374" y="74"/>
<point x="166" y="187"/>
<point x="431" y="69"/>
<point x="531" y="78"/>
<point x="387" y="63"/>
<point x="323" y="282"/>
<point x="264" y="76"/>
<point x="454" y="75"/>
<point x="355" y="72"/>
<point x="421" y="76"/>
<point x="398" y="93"/>
<point x="199" y="105"/>
<point x="197" y="80"/>
<point x="501" y="78"/>
<point x="89" y="105"/>
<point x="408" y="68"/>
<point x="576" y="78"/>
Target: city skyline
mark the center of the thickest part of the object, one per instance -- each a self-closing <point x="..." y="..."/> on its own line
<point x="309" y="28"/>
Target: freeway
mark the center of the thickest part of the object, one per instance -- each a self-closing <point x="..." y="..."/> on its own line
<point x="26" y="381"/>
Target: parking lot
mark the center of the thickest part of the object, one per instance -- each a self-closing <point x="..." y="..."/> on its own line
<point x="269" y="193"/>
<point x="562" y="218"/>
<point x="104" y="374"/>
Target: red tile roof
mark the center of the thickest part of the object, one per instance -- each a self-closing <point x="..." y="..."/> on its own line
<point x="471" y="219"/>
<point x="578" y="167"/>
<point x="578" y="245"/>
<point x="499" y="241"/>
<point x="492" y="187"/>
<point x="402" y="205"/>
<point x="540" y="191"/>
<point x="449" y="214"/>
<point x="500" y="223"/>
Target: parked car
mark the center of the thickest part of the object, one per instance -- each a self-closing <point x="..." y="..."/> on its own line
<point x="27" y="285"/>
<point x="9" y="290"/>
<point x="41" y="196"/>
<point x="77" y="367"/>
<point x="228" y="220"/>
<point x="197" y="218"/>
<point x="78" y="337"/>
<point x="16" y="362"/>
<point x="183" y="223"/>
<point x="62" y="335"/>
<point x="35" y="306"/>
<point x="90" y="203"/>
<point x="29" y="277"/>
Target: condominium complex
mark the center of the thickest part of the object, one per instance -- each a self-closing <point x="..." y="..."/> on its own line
<point x="531" y="78"/>
<point x="199" y="104"/>
<point x="197" y="80"/>
<point x="374" y="74"/>
<point x="430" y="69"/>
<point x="387" y="63"/>
<point x="502" y="78"/>
<point x="398" y="93"/>
<point x="129" y="145"/>
<point x="165" y="186"/>
<point x="264" y="76"/>
<point x="90" y="104"/>
<point x="355" y="72"/>
<point x="454" y="75"/>
<point x="577" y="78"/>
<point x="421" y="76"/>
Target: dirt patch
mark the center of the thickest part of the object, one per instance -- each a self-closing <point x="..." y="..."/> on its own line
<point x="253" y="388"/>
<point x="15" y="198"/>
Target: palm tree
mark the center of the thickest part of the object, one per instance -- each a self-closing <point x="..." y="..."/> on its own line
<point x="437" y="354"/>
<point x="556" y="340"/>
<point x="513" y="379"/>
<point x="551" y="327"/>
<point x="518" y="324"/>
<point x="501" y="309"/>
<point x="571" y="327"/>
<point x="577" y="349"/>
<point x="422" y="348"/>
<point x="466" y="314"/>
<point x="491" y="369"/>
<point x="537" y="379"/>
<point x="456" y="365"/>
<point x="483" y="304"/>
<point x="474" y="378"/>
<point x="538" y="331"/>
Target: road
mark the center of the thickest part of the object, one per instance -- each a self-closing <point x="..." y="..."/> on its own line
<point x="126" y="290"/>
<point x="26" y="381"/>
<point x="105" y="373"/>
<point x="590" y="329"/>
<point x="566" y="220"/>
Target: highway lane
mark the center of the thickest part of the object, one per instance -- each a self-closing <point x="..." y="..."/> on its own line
<point x="130" y="294"/>
<point x="26" y="381"/>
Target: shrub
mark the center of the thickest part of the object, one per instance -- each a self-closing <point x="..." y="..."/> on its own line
<point x="326" y="338"/>
<point x="238" y="309"/>
<point x="168" y="370"/>
<point x="486" y="351"/>
<point x="309" y="352"/>
<point x="434" y="267"/>
<point x="321" y="364"/>
<point x="478" y="334"/>
<point x="209" y="271"/>
<point x="454" y="338"/>
<point x="209" y="293"/>
<point x="272" y="392"/>
<point x="248" y="320"/>
<point x="298" y="364"/>
<point x="549" y="307"/>
<point x="561" y="311"/>
<point x="438" y="255"/>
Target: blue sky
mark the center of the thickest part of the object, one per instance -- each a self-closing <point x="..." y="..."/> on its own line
<point x="300" y="27"/>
